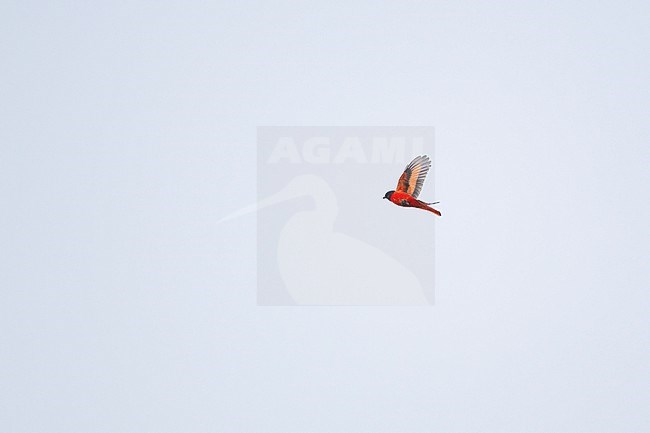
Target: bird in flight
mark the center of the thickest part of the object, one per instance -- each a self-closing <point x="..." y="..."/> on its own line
<point x="410" y="185"/>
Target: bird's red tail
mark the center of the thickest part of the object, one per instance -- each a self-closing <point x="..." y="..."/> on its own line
<point x="425" y="206"/>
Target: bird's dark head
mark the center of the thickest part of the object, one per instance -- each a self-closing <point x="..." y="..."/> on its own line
<point x="389" y="194"/>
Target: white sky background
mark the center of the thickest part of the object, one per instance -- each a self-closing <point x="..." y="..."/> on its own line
<point x="128" y="129"/>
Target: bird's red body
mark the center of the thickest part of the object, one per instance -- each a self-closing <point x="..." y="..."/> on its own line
<point x="410" y="184"/>
<point x="405" y="200"/>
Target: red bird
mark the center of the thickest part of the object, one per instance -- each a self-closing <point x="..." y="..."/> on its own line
<point x="410" y="185"/>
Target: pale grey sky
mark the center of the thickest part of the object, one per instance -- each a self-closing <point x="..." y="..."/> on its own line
<point x="128" y="130"/>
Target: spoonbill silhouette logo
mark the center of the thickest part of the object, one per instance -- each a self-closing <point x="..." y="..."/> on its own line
<point x="323" y="235"/>
<point x="320" y="266"/>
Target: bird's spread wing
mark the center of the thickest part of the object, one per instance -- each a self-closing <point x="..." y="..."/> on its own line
<point x="413" y="177"/>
